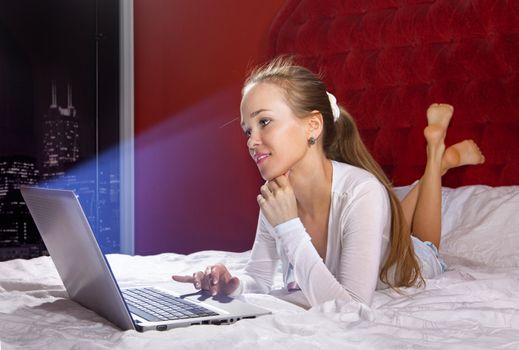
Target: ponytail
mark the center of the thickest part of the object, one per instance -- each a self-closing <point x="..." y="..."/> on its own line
<point x="345" y="145"/>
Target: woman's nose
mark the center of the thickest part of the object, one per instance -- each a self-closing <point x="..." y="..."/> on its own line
<point x="253" y="140"/>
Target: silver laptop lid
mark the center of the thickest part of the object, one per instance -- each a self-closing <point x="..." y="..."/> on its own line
<point x="72" y="245"/>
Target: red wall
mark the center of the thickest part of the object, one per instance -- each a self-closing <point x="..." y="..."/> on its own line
<point x="195" y="186"/>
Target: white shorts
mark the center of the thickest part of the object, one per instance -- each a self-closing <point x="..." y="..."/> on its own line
<point x="431" y="261"/>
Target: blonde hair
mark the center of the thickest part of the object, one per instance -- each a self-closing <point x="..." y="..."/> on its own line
<point x="306" y="92"/>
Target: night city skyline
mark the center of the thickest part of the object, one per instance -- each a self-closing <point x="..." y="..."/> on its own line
<point x="55" y="131"/>
<point x="60" y="135"/>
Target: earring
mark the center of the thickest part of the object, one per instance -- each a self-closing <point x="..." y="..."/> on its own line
<point x="311" y="140"/>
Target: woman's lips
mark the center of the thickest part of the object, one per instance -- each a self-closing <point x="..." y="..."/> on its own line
<point x="261" y="157"/>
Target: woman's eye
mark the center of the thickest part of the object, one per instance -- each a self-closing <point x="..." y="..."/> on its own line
<point x="247" y="132"/>
<point x="264" y="122"/>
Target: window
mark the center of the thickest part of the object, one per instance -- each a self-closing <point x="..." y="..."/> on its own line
<point x="66" y="116"/>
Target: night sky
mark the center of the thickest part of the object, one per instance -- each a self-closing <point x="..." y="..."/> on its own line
<point x="56" y="40"/>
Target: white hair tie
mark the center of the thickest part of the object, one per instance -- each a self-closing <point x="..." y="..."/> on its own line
<point x="335" y="107"/>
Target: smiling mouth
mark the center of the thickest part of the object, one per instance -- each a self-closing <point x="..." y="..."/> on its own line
<point x="259" y="159"/>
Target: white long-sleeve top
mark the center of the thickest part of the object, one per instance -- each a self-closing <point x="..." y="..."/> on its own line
<point x="359" y="227"/>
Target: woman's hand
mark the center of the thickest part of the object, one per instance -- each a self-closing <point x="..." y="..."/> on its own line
<point x="277" y="201"/>
<point x="216" y="279"/>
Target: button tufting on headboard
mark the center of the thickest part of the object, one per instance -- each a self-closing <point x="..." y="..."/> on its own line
<point x="386" y="61"/>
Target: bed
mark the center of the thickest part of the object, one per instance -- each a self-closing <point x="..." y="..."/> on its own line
<point x="474" y="305"/>
<point x="462" y="52"/>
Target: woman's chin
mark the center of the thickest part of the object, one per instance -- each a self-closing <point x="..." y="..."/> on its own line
<point x="271" y="176"/>
<point x="266" y="177"/>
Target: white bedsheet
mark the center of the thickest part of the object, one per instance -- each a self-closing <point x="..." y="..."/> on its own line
<point x="474" y="305"/>
<point x="466" y="308"/>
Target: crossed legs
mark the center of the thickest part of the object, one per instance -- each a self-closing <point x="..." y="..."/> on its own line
<point x="422" y="205"/>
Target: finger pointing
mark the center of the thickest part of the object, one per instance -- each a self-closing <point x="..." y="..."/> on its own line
<point x="183" y="279"/>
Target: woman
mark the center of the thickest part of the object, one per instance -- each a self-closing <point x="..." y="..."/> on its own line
<point x="327" y="210"/>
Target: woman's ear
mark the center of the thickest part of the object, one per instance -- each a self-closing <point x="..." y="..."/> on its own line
<point x="315" y="125"/>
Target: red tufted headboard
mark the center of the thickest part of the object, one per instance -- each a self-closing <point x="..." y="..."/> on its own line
<point x="386" y="61"/>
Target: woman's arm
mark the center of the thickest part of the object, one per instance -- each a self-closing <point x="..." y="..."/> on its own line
<point x="260" y="269"/>
<point x="364" y="221"/>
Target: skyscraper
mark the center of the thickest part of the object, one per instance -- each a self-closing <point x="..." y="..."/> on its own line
<point x="60" y="137"/>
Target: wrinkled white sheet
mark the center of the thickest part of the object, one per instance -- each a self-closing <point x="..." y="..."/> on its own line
<point x="466" y="308"/>
<point x="474" y="305"/>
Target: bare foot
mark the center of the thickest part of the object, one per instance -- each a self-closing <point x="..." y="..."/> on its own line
<point x="435" y="136"/>
<point x="440" y="114"/>
<point x="465" y="152"/>
<point x="438" y="118"/>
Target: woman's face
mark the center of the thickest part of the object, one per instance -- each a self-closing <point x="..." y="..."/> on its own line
<point x="276" y="138"/>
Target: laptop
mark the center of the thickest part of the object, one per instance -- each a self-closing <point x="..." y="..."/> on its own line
<point x="89" y="281"/>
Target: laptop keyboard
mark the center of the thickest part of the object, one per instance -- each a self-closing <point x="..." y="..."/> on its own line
<point x="154" y="305"/>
